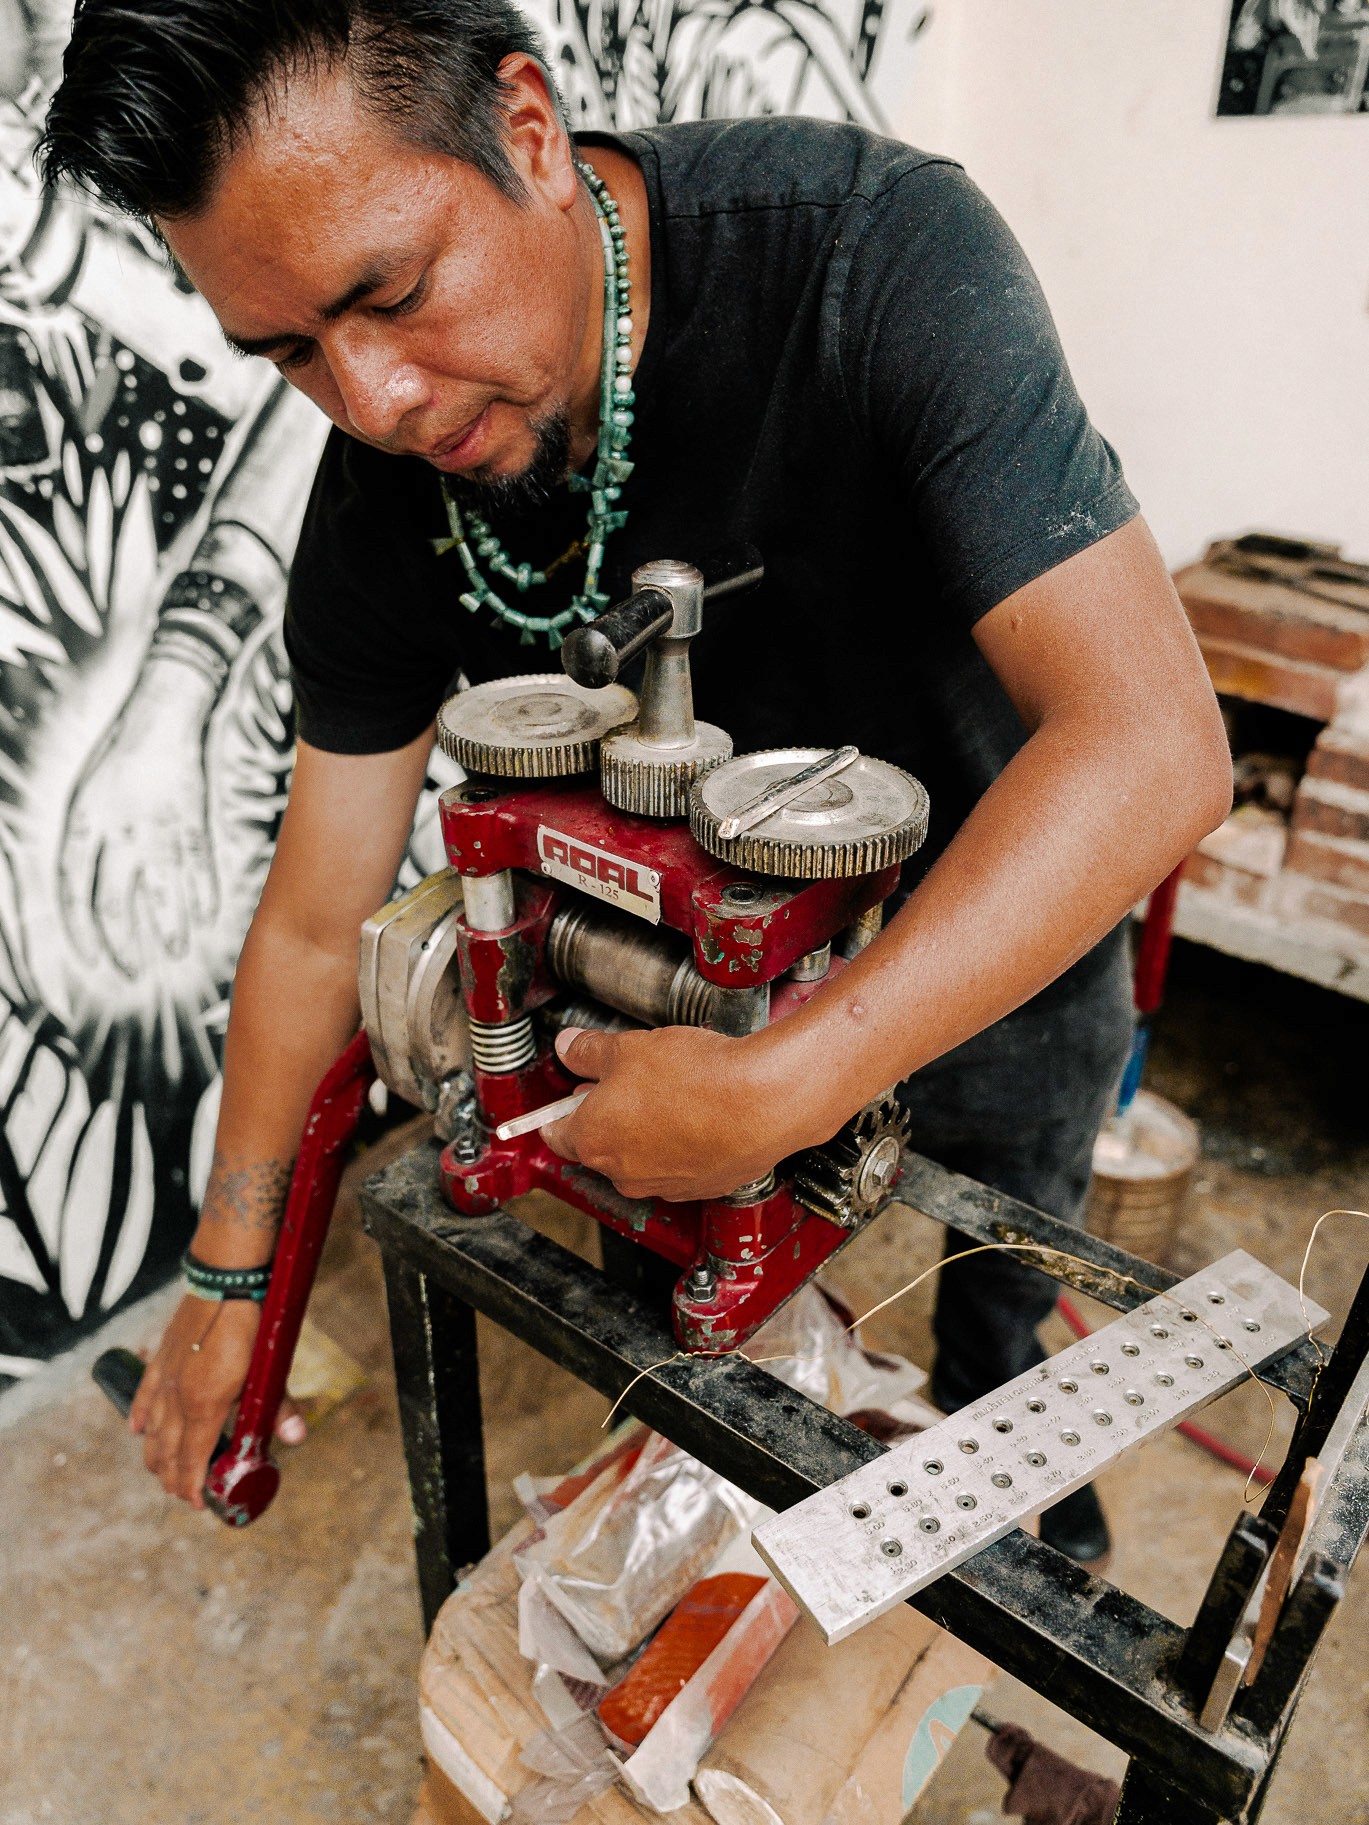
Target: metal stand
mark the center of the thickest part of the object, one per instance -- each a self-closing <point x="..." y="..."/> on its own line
<point x="1120" y="1667"/>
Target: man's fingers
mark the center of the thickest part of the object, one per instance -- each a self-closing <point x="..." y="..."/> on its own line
<point x="196" y="1446"/>
<point x="560" y="1136"/>
<point x="586" y="1053"/>
<point x="290" y="1425"/>
<point x="142" y="1401"/>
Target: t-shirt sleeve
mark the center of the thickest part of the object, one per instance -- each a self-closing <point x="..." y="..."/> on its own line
<point x="369" y="672"/>
<point x="951" y="362"/>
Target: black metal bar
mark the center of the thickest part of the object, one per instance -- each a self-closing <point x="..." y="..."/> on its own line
<point x="1307" y="1609"/>
<point x="1109" y="1274"/>
<point x="1331" y="1385"/>
<point x="437" y="1376"/>
<point x="1091" y="1649"/>
<point x="1149" y="1799"/>
<point x="1244" y="1557"/>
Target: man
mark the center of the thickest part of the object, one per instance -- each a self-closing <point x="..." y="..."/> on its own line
<point x="834" y="350"/>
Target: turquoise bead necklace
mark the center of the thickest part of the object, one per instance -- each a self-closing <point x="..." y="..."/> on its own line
<point x="471" y="536"/>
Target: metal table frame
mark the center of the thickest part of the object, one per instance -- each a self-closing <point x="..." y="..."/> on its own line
<point x="1119" y="1666"/>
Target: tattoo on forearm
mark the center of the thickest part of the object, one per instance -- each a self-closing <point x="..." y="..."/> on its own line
<point x="250" y="1195"/>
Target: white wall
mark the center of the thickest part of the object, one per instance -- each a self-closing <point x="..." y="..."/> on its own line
<point x="1210" y="277"/>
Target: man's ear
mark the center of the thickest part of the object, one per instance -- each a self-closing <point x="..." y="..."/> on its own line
<point x="539" y="145"/>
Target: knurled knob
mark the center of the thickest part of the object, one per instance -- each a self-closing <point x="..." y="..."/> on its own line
<point x="540" y="726"/>
<point x="865" y="818"/>
<point x="654" y="781"/>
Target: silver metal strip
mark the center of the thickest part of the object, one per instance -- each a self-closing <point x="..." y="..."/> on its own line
<point x="854" y="1550"/>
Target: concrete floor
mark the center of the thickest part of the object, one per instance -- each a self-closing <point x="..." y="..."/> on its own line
<point x="156" y="1668"/>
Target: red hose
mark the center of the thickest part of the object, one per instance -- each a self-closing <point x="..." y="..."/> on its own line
<point x="1212" y="1445"/>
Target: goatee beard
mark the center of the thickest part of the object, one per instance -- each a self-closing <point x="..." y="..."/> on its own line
<point x="547" y="469"/>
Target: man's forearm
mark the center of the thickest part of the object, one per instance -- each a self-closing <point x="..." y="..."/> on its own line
<point x="1077" y="829"/>
<point x="294" y="1009"/>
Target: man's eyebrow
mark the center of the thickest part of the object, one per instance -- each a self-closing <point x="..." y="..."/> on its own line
<point x="380" y="273"/>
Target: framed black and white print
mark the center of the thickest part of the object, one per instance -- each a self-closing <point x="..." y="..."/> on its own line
<point x="1296" y="57"/>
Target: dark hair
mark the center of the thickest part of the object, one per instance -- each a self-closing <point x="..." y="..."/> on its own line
<point x="155" y="94"/>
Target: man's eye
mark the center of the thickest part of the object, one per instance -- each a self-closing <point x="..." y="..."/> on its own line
<point x="298" y="357"/>
<point x="409" y="302"/>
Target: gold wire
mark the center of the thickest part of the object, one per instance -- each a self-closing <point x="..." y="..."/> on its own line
<point x="1059" y="1254"/>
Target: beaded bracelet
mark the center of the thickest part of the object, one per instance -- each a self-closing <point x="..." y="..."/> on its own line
<point x="225" y="1282"/>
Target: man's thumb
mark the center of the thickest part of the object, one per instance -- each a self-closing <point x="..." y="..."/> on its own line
<point x="583" y="1051"/>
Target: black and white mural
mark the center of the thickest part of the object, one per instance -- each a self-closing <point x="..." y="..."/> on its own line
<point x="1296" y="57"/>
<point x="150" y="492"/>
<point x="151" y="486"/>
<point x="641" y="62"/>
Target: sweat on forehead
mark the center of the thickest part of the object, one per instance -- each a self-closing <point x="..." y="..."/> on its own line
<point x="152" y="96"/>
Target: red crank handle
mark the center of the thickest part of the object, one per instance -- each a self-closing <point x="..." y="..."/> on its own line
<point x="242" y="1479"/>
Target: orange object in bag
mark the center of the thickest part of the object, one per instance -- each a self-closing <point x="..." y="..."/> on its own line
<point x="684" y="1641"/>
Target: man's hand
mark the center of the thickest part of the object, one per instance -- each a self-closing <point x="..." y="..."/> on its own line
<point x="677" y="1112"/>
<point x="187" y="1392"/>
<point x="136" y="866"/>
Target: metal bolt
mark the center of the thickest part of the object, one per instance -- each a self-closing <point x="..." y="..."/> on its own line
<point x="702" y="1283"/>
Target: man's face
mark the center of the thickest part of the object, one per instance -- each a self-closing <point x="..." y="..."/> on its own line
<point x="424" y="311"/>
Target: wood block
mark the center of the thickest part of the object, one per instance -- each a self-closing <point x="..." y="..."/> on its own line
<point x="1274" y="618"/>
<point x="798" y="1733"/>
<point x="910" y="1743"/>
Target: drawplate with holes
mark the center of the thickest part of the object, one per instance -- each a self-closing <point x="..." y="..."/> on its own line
<point x="869" y="1541"/>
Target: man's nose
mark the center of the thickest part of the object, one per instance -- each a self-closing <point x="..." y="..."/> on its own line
<point x="377" y="389"/>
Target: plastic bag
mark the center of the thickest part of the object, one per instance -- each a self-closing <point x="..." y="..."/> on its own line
<point x="815" y="1352"/>
<point x="618" y="1559"/>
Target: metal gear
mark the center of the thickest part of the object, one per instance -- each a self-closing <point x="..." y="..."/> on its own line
<point x="850" y="1175"/>
<point x="867" y="817"/>
<point x="651" y="780"/>
<point x="541" y="726"/>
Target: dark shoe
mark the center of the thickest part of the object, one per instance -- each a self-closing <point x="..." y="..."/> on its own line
<point x="1077" y="1527"/>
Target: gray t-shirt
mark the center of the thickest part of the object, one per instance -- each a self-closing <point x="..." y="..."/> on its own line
<point x="849" y="365"/>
